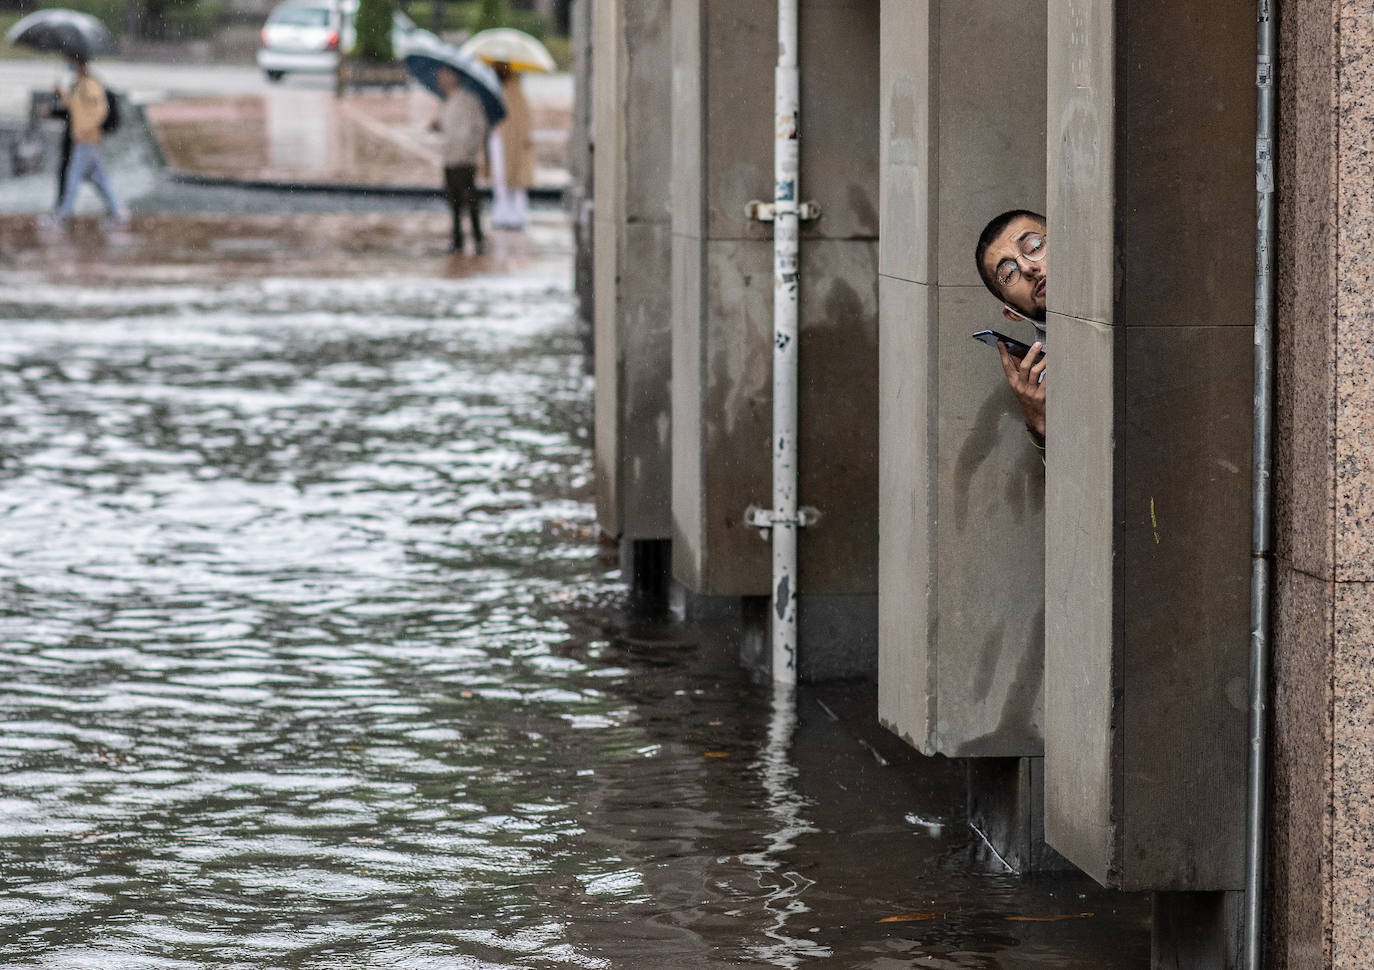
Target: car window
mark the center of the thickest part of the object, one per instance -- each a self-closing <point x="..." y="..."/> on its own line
<point x="300" y="17"/>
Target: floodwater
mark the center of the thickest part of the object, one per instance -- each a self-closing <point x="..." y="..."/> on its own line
<point x="311" y="659"/>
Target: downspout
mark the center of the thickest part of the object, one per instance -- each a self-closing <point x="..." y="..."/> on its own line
<point x="786" y="212"/>
<point x="1262" y="557"/>
<point x="786" y="266"/>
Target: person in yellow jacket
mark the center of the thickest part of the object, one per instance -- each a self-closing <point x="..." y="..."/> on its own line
<point x="87" y="107"/>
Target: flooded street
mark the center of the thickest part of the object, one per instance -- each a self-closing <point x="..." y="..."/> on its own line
<point x="312" y="659"/>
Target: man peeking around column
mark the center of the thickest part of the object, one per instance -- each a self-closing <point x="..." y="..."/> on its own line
<point x="1012" y="261"/>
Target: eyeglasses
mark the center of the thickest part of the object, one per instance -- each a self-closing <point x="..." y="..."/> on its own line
<point x="1032" y="247"/>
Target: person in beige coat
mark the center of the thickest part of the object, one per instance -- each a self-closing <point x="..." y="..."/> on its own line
<point x="512" y="154"/>
<point x="463" y="127"/>
<point x="87" y="106"/>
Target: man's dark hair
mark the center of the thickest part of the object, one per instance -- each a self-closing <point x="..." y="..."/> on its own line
<point x="991" y="231"/>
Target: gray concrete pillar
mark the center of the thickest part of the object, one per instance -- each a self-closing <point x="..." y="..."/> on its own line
<point x="1151" y="216"/>
<point x="632" y="250"/>
<point x="962" y="488"/>
<point x="724" y="52"/>
<point x="577" y="198"/>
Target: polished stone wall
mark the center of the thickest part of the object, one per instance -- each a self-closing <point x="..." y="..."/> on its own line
<point x="1322" y="874"/>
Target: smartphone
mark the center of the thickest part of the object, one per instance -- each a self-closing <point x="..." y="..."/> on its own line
<point x="1014" y="347"/>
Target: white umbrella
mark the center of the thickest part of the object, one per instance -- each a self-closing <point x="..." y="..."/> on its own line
<point x="514" y="47"/>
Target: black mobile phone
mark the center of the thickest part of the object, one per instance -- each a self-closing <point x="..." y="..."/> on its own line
<point x="1014" y="347"/>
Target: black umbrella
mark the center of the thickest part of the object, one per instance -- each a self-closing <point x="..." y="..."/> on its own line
<point x="68" y="32"/>
<point x="426" y="58"/>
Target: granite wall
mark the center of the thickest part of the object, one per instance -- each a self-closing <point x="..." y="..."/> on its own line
<point x="1321" y="880"/>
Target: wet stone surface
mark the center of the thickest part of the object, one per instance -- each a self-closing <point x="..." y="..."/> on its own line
<point x="311" y="659"/>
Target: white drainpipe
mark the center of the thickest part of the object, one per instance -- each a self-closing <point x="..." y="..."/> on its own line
<point x="786" y="212"/>
<point x="786" y="273"/>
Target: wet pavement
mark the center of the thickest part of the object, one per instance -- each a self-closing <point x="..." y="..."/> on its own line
<point x="312" y="657"/>
<point x="217" y="247"/>
<point x="373" y="138"/>
<point x="227" y="125"/>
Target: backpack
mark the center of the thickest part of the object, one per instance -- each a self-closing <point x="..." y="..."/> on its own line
<point x="111" y="123"/>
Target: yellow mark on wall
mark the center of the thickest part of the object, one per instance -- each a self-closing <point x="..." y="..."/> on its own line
<point x="1154" y="523"/>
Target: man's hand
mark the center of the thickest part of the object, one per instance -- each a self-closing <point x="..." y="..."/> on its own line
<point x="1027" y="382"/>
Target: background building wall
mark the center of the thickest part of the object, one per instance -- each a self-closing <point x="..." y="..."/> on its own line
<point x="1322" y="877"/>
<point x="961" y="548"/>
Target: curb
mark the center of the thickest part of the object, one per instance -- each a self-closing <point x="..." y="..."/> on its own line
<point x="536" y="194"/>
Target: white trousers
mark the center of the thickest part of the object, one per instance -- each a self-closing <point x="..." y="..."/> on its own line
<point x="509" y="207"/>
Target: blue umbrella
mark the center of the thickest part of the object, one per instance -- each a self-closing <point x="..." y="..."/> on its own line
<point x="427" y="57"/>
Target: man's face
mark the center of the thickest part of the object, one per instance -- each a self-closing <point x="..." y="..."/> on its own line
<point x="1020" y="279"/>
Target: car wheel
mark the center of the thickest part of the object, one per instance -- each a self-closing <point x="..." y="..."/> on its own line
<point x="275" y="76"/>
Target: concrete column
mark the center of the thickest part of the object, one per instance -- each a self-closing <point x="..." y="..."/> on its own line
<point x="632" y="251"/>
<point x="962" y="489"/>
<point x="724" y="52"/>
<point x="577" y="198"/>
<point x="1151" y="226"/>
<point x="1321" y="876"/>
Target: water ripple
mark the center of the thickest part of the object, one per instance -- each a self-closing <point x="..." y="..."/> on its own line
<point x="309" y="660"/>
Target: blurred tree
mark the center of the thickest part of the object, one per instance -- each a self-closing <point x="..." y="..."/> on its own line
<point x="491" y="13"/>
<point x="373" y="26"/>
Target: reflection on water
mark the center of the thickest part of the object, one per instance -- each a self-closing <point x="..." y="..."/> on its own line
<point x="309" y="660"/>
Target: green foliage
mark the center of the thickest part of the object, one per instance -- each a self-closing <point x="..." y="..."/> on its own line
<point x="154" y="19"/>
<point x="560" y="49"/>
<point x="463" y="15"/>
<point x="8" y="18"/>
<point x="373" y="26"/>
<point x="457" y="15"/>
<point x="191" y="19"/>
<point x="491" y="13"/>
<point x="112" y="13"/>
<point x="528" y="21"/>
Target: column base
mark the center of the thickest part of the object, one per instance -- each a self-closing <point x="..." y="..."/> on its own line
<point x="1006" y="806"/>
<point x="1197" y="931"/>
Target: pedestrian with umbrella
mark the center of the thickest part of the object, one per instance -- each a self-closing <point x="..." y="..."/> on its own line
<point x="471" y="104"/>
<point x="87" y="108"/>
<point x="511" y="53"/>
<point x="79" y="37"/>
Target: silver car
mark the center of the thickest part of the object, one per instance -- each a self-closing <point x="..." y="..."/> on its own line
<point x="305" y="37"/>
